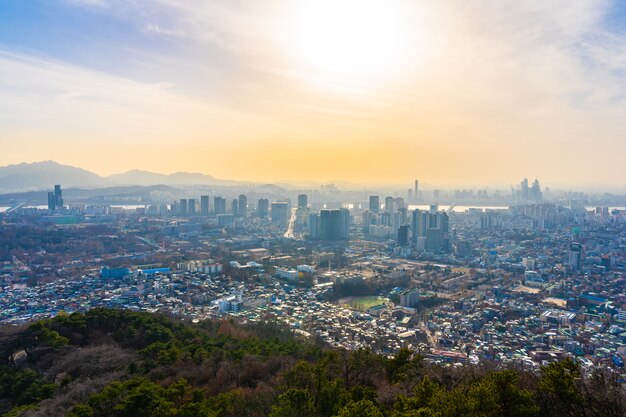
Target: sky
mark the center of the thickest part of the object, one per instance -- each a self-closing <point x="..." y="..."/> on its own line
<point x="452" y="92"/>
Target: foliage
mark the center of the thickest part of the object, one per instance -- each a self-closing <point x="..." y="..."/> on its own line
<point x="169" y="368"/>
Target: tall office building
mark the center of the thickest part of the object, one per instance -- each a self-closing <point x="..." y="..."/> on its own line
<point x="436" y="194"/>
<point x="369" y="219"/>
<point x="403" y="235"/>
<point x="409" y="195"/>
<point x="388" y="204"/>
<point x="419" y="225"/>
<point x="234" y="207"/>
<point x="302" y="200"/>
<point x="204" y="205"/>
<point x="334" y="224"/>
<point x="535" y="192"/>
<point x="262" y="208"/>
<point x="431" y="228"/>
<point x="374" y="204"/>
<point x="58" y="196"/>
<point x="191" y="206"/>
<point x="219" y="205"/>
<point x="182" y="207"/>
<point x="243" y="206"/>
<point x="416" y="195"/>
<point x="524" y="189"/>
<point x="52" y="201"/>
<point x="314" y="226"/>
<point x="280" y="213"/>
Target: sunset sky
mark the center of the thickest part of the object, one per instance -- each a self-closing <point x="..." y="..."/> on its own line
<point x="452" y="92"/>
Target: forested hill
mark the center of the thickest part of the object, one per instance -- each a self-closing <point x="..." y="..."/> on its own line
<point x="121" y="363"/>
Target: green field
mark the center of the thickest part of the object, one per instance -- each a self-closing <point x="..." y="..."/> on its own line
<point x="362" y="303"/>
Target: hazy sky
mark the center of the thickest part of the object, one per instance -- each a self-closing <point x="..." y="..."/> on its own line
<point x="447" y="91"/>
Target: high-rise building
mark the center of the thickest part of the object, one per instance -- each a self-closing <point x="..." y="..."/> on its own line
<point x="374" y="204"/>
<point x="369" y="219"/>
<point x="334" y="224"/>
<point x="416" y="191"/>
<point x="436" y="195"/>
<point x="535" y="192"/>
<point x="524" y="189"/>
<point x="191" y="206"/>
<point x="262" y="208"/>
<point x="182" y="207"/>
<point x="204" y="205"/>
<point x="432" y="228"/>
<point x="302" y="200"/>
<point x="314" y="226"/>
<point x="219" y="205"/>
<point x="409" y="195"/>
<point x="52" y="201"/>
<point x="419" y="225"/>
<point x="58" y="196"/>
<point x="403" y="235"/>
<point x="234" y="207"/>
<point x="280" y="213"/>
<point x="388" y="204"/>
<point x="243" y="206"/>
<point x="575" y="256"/>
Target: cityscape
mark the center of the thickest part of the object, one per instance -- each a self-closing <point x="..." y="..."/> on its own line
<point x="525" y="284"/>
<point x="312" y="208"/>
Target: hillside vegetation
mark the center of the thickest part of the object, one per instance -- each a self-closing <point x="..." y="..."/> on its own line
<point x="119" y="363"/>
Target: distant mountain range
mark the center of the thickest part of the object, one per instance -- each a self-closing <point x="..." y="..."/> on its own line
<point x="43" y="175"/>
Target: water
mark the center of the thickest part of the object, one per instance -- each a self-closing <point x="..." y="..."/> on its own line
<point x="456" y="209"/>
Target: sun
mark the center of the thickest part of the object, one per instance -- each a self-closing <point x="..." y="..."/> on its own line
<point x="347" y="43"/>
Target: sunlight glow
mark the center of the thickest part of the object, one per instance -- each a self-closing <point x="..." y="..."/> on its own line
<point x="349" y="43"/>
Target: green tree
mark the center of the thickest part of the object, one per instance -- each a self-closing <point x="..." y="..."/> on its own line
<point x="294" y="403"/>
<point x="363" y="408"/>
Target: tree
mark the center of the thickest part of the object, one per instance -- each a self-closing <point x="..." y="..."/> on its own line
<point x="294" y="403"/>
<point x="363" y="408"/>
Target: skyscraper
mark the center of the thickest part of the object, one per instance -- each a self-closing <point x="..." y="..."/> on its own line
<point x="182" y="207"/>
<point x="314" y="226"/>
<point x="374" y="204"/>
<point x="369" y="219"/>
<point x="234" y="207"/>
<point x="416" y="191"/>
<point x="243" y="206"/>
<point x="419" y="225"/>
<point x="302" y="200"/>
<point x="388" y="204"/>
<point x="204" y="205"/>
<point x="403" y="235"/>
<point x="219" y="205"/>
<point x="52" y="201"/>
<point x="280" y="213"/>
<point x="334" y="224"/>
<point x="262" y="208"/>
<point x="58" y="196"/>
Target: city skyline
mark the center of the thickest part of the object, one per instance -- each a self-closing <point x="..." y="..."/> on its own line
<point x="452" y="93"/>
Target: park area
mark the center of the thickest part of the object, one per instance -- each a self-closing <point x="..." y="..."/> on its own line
<point x="362" y="303"/>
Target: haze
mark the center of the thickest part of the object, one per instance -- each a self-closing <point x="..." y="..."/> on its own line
<point x="451" y="92"/>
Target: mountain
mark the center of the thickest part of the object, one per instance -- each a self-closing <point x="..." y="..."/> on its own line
<point x="40" y="176"/>
<point x="139" y="177"/>
<point x="43" y="175"/>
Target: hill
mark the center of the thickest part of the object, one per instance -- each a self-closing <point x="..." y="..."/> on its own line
<point x="39" y="176"/>
<point x="120" y="363"/>
<point x="43" y="175"/>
